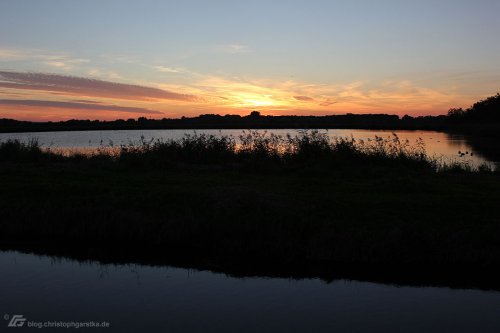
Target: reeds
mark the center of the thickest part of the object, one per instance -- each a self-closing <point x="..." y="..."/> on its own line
<point x="312" y="147"/>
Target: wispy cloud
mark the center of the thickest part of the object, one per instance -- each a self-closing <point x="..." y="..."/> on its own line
<point x="164" y="69"/>
<point x="399" y="97"/>
<point x="304" y="98"/>
<point x="64" y="62"/>
<point x="324" y="102"/>
<point x="234" y="48"/>
<point x="52" y="59"/>
<point x="102" y="73"/>
<point x="77" y="106"/>
<point x="12" y="54"/>
<point x="78" y="86"/>
<point x="120" y="58"/>
<point x="86" y="101"/>
<point x="328" y="102"/>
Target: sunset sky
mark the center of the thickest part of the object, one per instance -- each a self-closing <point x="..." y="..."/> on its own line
<point x="109" y="59"/>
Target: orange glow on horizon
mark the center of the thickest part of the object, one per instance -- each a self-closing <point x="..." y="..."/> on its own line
<point x="216" y="95"/>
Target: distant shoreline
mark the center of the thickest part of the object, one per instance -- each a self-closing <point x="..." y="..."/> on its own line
<point x="258" y="122"/>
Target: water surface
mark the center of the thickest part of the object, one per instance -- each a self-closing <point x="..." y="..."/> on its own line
<point x="134" y="298"/>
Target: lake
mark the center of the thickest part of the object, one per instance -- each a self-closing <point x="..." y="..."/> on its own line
<point x="441" y="145"/>
<point x="135" y="298"/>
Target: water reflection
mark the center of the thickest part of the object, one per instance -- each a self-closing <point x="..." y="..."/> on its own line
<point x="486" y="146"/>
<point x="137" y="298"/>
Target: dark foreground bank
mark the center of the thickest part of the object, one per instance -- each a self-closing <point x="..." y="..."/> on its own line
<point x="300" y="206"/>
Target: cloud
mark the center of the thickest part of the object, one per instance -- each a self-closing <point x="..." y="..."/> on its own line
<point x="235" y="48"/>
<point x="328" y="102"/>
<point x="51" y="59"/>
<point x="304" y="98"/>
<point x="78" y="86"/>
<point x="164" y="69"/>
<point x="12" y="54"/>
<point x="57" y="64"/>
<point x="87" y="105"/>
<point x="101" y="73"/>
<point x="121" y="58"/>
<point x="63" y="62"/>
<point x="86" y="101"/>
<point x="397" y="96"/>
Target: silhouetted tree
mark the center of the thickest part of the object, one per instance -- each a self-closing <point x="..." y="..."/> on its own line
<point x="485" y="110"/>
<point x="456" y="114"/>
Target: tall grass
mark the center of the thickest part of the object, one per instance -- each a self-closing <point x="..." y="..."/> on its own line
<point x="21" y="151"/>
<point x="251" y="146"/>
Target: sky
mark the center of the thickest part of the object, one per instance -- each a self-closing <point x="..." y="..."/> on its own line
<point x="111" y="59"/>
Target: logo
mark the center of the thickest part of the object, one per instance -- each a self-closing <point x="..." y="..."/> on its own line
<point x="17" y="321"/>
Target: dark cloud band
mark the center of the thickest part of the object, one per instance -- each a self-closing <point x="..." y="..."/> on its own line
<point x="78" y="86"/>
<point x="77" y="106"/>
<point x="304" y="98"/>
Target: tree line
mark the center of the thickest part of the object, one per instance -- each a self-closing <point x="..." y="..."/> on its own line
<point x="485" y="113"/>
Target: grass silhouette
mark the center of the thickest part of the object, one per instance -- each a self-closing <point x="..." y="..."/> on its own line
<point x="252" y="148"/>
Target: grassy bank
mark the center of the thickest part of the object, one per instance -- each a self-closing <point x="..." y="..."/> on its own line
<point x="300" y="204"/>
